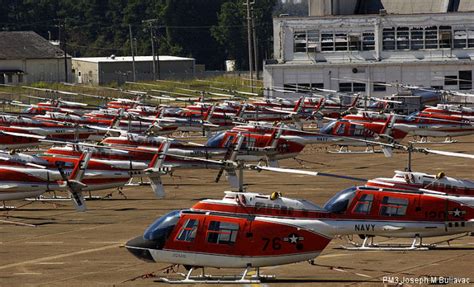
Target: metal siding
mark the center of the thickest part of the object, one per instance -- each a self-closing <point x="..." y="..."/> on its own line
<point x="466" y="6"/>
<point x="418" y="6"/>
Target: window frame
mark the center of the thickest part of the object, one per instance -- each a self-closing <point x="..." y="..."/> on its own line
<point x="189" y="231"/>
<point x="231" y="233"/>
<point x="385" y="203"/>
<point x="362" y="201"/>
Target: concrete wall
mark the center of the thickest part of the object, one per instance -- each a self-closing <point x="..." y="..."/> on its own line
<point x="120" y="72"/>
<point x="36" y="70"/>
<point x="420" y="74"/>
<point x="285" y="29"/>
<point x="85" y="72"/>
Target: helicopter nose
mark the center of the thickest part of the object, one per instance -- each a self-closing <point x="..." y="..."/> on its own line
<point x="140" y="248"/>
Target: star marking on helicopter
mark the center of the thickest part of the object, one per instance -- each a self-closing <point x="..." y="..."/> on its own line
<point x="293" y="238"/>
<point x="457" y="212"/>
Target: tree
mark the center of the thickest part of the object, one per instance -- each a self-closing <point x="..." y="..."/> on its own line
<point x="229" y="32"/>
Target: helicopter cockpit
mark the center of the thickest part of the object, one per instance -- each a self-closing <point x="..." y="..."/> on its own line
<point x="327" y="129"/>
<point x="161" y="229"/>
<point x="215" y="140"/>
<point x="155" y="236"/>
<point x="341" y="200"/>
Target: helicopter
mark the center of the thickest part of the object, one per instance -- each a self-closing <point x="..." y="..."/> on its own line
<point x="251" y="230"/>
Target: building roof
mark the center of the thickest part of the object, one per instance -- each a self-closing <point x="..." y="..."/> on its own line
<point x="26" y="45"/>
<point x="115" y="59"/>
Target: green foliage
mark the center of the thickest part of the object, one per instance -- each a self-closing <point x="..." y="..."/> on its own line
<point x="209" y="30"/>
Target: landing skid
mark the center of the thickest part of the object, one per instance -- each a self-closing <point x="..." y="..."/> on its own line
<point x="346" y="150"/>
<point x="368" y="244"/>
<point x="16" y="223"/>
<point x="60" y="198"/>
<point x="209" y="279"/>
<point x="424" y="140"/>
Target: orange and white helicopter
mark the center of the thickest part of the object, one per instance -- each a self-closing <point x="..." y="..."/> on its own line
<point x="422" y="124"/>
<point x="250" y="230"/>
<point x="24" y="175"/>
<point x="419" y="180"/>
<point x="21" y="178"/>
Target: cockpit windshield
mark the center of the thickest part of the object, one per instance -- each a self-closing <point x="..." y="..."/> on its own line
<point x="339" y="202"/>
<point x="216" y="139"/>
<point x="412" y="117"/>
<point x="327" y="129"/>
<point x="162" y="227"/>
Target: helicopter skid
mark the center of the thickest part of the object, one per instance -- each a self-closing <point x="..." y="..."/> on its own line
<point x="16" y="223"/>
<point x="423" y="140"/>
<point x="222" y="279"/>
<point x="60" y="198"/>
<point x="346" y="150"/>
<point x="368" y="246"/>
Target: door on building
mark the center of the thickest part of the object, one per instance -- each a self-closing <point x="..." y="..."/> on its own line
<point x="465" y="80"/>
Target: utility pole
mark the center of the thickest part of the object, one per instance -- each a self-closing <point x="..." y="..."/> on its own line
<point x="133" y="53"/>
<point x="249" y="39"/>
<point x="65" y="54"/>
<point x="152" y="38"/>
<point x="63" y="44"/>
<point x="255" y="50"/>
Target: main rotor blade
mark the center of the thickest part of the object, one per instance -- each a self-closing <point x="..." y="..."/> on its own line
<point x="449" y="153"/>
<point x="305" y="172"/>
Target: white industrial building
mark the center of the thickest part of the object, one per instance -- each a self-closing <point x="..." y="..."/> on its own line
<point x="341" y="47"/>
<point x="103" y="70"/>
<point x="26" y="57"/>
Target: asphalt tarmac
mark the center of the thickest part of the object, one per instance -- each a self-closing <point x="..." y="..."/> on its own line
<point x="67" y="248"/>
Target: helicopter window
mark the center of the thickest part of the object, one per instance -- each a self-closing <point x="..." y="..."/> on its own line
<point x="364" y="204"/>
<point x="215" y="140"/>
<point x="392" y="206"/>
<point x="339" y="202"/>
<point x="249" y="142"/>
<point x="327" y="129"/>
<point x="188" y="231"/>
<point x="222" y="232"/>
<point x="162" y="227"/>
<point x="412" y="117"/>
<point x="340" y="129"/>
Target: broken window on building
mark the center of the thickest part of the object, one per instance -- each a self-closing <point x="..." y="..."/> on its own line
<point x="368" y="41"/>
<point x="354" y="42"/>
<point x="470" y="38"/>
<point x="445" y="37"/>
<point x="431" y="37"/>
<point x="403" y="38"/>
<point x="306" y="41"/>
<point x="460" y="39"/>
<point x="416" y="41"/>
<point x="299" y="42"/>
<point x="340" y="40"/>
<point x="389" y="39"/>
